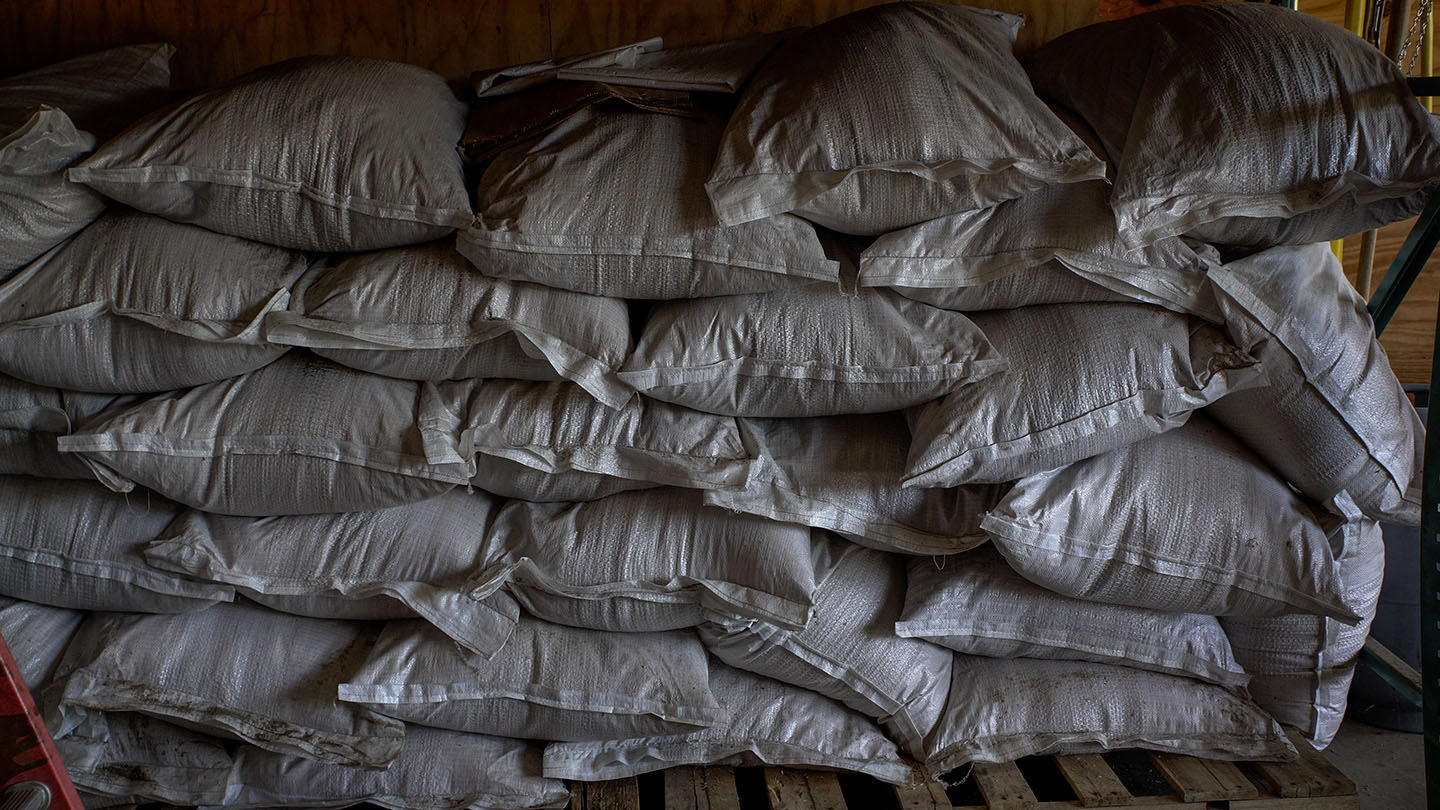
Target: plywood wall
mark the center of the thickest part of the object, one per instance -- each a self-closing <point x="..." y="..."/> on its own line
<point x="219" y="40"/>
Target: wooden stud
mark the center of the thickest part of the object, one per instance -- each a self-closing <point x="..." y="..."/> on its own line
<point x="1094" y="783"/>
<point x="1003" y="786"/>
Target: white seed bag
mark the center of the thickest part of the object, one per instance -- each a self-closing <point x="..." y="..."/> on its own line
<point x="76" y="544"/>
<point x="1187" y="521"/>
<point x="436" y="770"/>
<point x="423" y="313"/>
<point x="131" y="755"/>
<point x="1002" y="709"/>
<point x="33" y="416"/>
<point x="319" y="153"/>
<point x="821" y="130"/>
<point x="766" y="723"/>
<point x="1081" y="380"/>
<point x="849" y="650"/>
<point x="53" y="116"/>
<point x="842" y="473"/>
<point x="550" y="682"/>
<point x="647" y="561"/>
<point x="1046" y="283"/>
<point x="807" y="352"/>
<point x="397" y="563"/>
<point x="136" y="303"/>
<point x="299" y="436"/>
<point x="242" y="671"/>
<point x="511" y="479"/>
<point x="720" y="67"/>
<point x="37" y="636"/>
<point x="1071" y="224"/>
<point x="1330" y="416"/>
<point x="611" y="202"/>
<point x="975" y="603"/>
<point x="558" y="428"/>
<point x="1217" y="131"/>
<point x="1302" y="665"/>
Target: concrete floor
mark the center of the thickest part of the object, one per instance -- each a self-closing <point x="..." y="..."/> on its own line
<point x="1387" y="766"/>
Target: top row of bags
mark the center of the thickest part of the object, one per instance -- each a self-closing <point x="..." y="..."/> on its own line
<point x="1239" y="143"/>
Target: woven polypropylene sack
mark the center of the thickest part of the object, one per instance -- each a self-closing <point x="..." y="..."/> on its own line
<point x="1188" y="521"/>
<point x="821" y="131"/>
<point x="843" y="473"/>
<point x="1071" y="224"/>
<point x="321" y="153"/>
<point x="239" y="670"/>
<point x="1217" y="130"/>
<point x="436" y="770"/>
<point x="1082" y="379"/>
<point x="135" y="303"/>
<point x="511" y="479"/>
<point x="849" y="651"/>
<point x="1002" y="709"/>
<point x="807" y="352"/>
<point x="1302" y="665"/>
<point x="76" y="544"/>
<point x="33" y="416"/>
<point x="975" y="603"/>
<point x="37" y="636"/>
<point x="766" y="723"/>
<point x="423" y="313"/>
<point x="1047" y="283"/>
<point x="52" y="117"/>
<point x="127" y="755"/>
<point x="611" y="202"/>
<point x="559" y="428"/>
<point x="299" y="436"/>
<point x="550" y="682"/>
<point x="1331" y="416"/>
<point x="719" y="67"/>
<point x="644" y="561"/>
<point x="397" y="563"/>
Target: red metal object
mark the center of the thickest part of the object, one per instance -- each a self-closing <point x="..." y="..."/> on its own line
<point x="27" y="753"/>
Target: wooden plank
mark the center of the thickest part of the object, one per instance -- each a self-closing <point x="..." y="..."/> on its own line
<point x="1322" y="803"/>
<point x="1229" y="777"/>
<point x="787" y="790"/>
<point x="928" y="795"/>
<point x="719" y="789"/>
<point x="684" y="788"/>
<point x="1094" y="783"/>
<point x="1309" y="776"/>
<point x="613" y="794"/>
<point x="1003" y="786"/>
<point x="825" y="793"/>
<point x="1189" y="776"/>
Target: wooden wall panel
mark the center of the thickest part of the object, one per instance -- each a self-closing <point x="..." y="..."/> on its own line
<point x="220" y="40"/>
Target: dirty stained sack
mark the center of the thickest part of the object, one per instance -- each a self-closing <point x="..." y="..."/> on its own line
<point x="222" y="671"/>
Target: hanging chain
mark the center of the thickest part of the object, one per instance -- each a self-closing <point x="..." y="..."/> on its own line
<point x="1421" y="22"/>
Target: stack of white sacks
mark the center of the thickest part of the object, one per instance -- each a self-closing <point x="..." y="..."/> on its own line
<point x="309" y="501"/>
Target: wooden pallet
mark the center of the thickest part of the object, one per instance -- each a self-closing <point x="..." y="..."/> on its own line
<point x="1132" y="779"/>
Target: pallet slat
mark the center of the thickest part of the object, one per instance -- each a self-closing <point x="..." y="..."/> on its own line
<point x="927" y="795"/>
<point x="690" y="788"/>
<point x="1236" y="785"/>
<point x="614" y="794"/>
<point x="825" y="793"/>
<point x="1003" y="786"/>
<point x="787" y="790"/>
<point x="1094" y="783"/>
<point x="1190" y="778"/>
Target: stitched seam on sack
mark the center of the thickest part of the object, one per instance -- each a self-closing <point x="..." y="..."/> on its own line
<point x="234" y="178"/>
